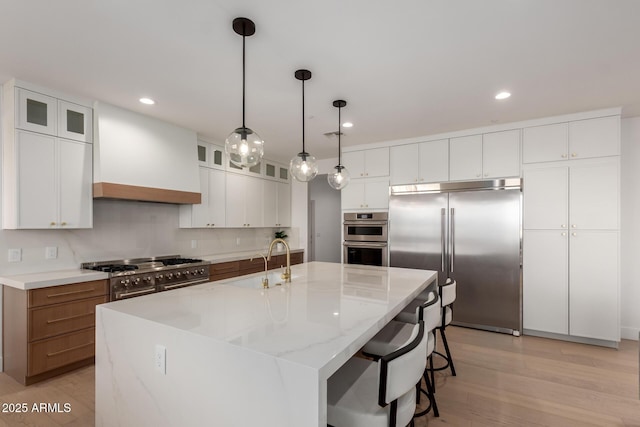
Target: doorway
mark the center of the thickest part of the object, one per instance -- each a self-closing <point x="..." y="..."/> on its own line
<point x="325" y="224"/>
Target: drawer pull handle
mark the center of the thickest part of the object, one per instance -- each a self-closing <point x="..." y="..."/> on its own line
<point x="91" y="313"/>
<point x="82" y="291"/>
<point x="55" y="353"/>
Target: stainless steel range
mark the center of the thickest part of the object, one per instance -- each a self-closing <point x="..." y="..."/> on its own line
<point x="135" y="277"/>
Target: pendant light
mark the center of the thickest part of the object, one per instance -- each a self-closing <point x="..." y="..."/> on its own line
<point x="339" y="178"/>
<point x="243" y="146"/>
<point x="303" y="167"/>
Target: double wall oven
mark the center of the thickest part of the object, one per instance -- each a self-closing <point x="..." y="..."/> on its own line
<point x="365" y="238"/>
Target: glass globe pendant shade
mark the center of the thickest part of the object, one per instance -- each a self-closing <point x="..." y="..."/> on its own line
<point x="303" y="167"/>
<point x="339" y="178"/>
<point x="244" y="147"/>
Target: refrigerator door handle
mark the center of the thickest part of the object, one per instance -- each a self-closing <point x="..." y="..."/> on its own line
<point x="442" y="238"/>
<point x="452" y="240"/>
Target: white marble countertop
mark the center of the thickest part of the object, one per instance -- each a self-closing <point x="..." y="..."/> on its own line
<point x="64" y="277"/>
<point x="51" y="278"/>
<point x="319" y="320"/>
<point x="235" y="256"/>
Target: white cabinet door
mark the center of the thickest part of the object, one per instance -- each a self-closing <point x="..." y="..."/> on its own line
<point x="593" y="285"/>
<point x="593" y="195"/>
<point x="501" y="154"/>
<point x="545" y="198"/>
<point x="434" y="161"/>
<point x="270" y="203"/>
<point x="545" y="143"/>
<point x="254" y="202"/>
<point x="594" y="137"/>
<point x="75" y="122"/>
<point x="377" y="162"/>
<point x="354" y="162"/>
<point x="36" y="182"/>
<point x="75" y="192"/>
<point x="465" y="160"/>
<point x="199" y="213"/>
<point x="376" y="194"/>
<point x="284" y="204"/>
<point x="217" y="191"/>
<point x="352" y="196"/>
<point x="545" y="289"/>
<point x="36" y="112"/>
<point x="404" y="163"/>
<point x="235" y="200"/>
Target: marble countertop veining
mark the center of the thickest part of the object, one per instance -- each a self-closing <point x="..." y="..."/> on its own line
<point x="319" y="320"/>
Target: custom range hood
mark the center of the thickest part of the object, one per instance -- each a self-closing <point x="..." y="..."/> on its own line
<point x="137" y="157"/>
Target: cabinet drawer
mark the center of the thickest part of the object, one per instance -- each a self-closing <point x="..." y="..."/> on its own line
<point x="277" y="261"/>
<point x="60" y="351"/>
<point x="62" y="318"/>
<point x="222" y="276"/>
<point x="297" y="258"/>
<point x="224" y="268"/>
<point x="256" y="264"/>
<point x="64" y="293"/>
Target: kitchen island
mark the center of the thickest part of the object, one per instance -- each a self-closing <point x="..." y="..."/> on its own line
<point x="231" y="353"/>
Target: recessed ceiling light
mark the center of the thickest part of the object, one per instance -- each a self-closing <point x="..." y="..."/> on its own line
<point x="347" y="125"/>
<point x="147" y="101"/>
<point x="503" y="95"/>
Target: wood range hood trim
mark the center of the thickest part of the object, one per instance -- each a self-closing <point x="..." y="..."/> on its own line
<point x="109" y="190"/>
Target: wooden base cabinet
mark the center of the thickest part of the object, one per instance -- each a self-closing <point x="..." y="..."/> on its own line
<point x="228" y="270"/>
<point x="49" y="331"/>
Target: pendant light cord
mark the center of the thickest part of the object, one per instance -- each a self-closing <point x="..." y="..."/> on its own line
<point x="303" y="150"/>
<point x="339" y="133"/>
<point x="243" y="75"/>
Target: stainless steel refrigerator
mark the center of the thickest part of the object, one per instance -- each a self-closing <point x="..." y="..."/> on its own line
<point x="471" y="232"/>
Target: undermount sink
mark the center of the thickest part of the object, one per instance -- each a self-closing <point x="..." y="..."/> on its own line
<point x="255" y="282"/>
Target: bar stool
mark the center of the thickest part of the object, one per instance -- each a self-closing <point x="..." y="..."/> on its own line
<point x="447" y="298"/>
<point x="364" y="393"/>
<point x="396" y="332"/>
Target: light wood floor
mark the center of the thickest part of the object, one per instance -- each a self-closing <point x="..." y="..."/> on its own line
<point x="502" y="381"/>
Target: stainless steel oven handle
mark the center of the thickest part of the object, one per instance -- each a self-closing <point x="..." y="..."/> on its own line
<point x="183" y="284"/>
<point x="442" y="238"/>
<point x="452" y="240"/>
<point x="365" y="244"/>
<point x="123" y="295"/>
<point x="365" y="223"/>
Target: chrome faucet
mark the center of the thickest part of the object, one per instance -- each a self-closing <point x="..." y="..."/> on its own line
<point x="265" y="280"/>
<point x="286" y="276"/>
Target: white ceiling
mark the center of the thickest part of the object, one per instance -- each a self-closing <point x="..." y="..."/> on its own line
<point x="407" y="68"/>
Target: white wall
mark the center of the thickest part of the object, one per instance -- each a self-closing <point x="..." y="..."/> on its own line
<point x="630" y="228"/>
<point x="327" y="242"/>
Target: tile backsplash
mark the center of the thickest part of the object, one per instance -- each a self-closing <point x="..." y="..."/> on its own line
<point x="123" y="229"/>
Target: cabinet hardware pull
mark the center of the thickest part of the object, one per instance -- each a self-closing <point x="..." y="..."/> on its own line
<point x="574" y="154"/>
<point x="52" y="224"/>
<point x="82" y="291"/>
<point x="564" y="226"/>
<point x="69" y="318"/>
<point x="63" y="224"/>
<point x="564" y="156"/>
<point x="573" y="226"/>
<point x="564" y="233"/>
<point x="574" y="234"/>
<point x="55" y="353"/>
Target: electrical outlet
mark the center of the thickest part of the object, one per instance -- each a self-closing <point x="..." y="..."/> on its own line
<point x="161" y="359"/>
<point x="15" y="255"/>
<point x="238" y="241"/>
<point x="51" y="252"/>
<point x="194" y="244"/>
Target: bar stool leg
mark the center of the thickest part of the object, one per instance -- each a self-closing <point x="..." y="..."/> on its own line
<point x="446" y="347"/>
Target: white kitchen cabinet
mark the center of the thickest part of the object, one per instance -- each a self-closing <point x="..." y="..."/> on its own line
<point x="545" y="275"/>
<point x="277" y="204"/>
<point x="593" y="285"/>
<point x="211" y="212"/>
<point x="367" y="163"/>
<point x="575" y="195"/>
<point x="53" y="188"/>
<point x="45" y="114"/>
<point x="501" y="154"/>
<point x="244" y="201"/>
<point x="420" y="163"/>
<point x="366" y="194"/>
<point x="210" y="155"/>
<point x="465" y="161"/>
<point x="580" y="139"/>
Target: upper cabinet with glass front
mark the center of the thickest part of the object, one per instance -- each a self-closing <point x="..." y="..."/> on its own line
<point x="210" y="155"/>
<point x="48" y="115"/>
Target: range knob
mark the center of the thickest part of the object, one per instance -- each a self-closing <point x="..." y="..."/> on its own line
<point x="148" y="279"/>
<point x="202" y="271"/>
<point x="187" y="272"/>
<point x="160" y="276"/>
<point x="169" y="275"/>
<point x="177" y="275"/>
<point x="125" y="282"/>
<point x="135" y="281"/>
